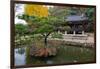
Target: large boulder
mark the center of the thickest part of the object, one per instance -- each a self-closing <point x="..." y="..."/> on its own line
<point x="43" y="52"/>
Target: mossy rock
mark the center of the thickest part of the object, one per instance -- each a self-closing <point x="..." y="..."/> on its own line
<point x="43" y="52"/>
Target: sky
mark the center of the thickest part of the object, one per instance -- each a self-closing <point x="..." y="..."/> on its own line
<point x="19" y="9"/>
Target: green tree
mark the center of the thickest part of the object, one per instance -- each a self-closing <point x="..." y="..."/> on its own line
<point x="90" y="14"/>
<point x="59" y="11"/>
<point x="43" y="25"/>
<point x="21" y="29"/>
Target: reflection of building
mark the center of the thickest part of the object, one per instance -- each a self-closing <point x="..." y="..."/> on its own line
<point x="77" y="23"/>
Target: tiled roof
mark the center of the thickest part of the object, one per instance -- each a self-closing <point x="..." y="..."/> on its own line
<point x="76" y="18"/>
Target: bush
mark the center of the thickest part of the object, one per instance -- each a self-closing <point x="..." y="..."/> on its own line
<point x="37" y="37"/>
<point x="57" y="35"/>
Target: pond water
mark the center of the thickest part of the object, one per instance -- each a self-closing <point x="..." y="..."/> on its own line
<point x="66" y="54"/>
<point x="20" y="56"/>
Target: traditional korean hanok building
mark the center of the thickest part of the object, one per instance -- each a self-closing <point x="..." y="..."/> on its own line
<point x="77" y="23"/>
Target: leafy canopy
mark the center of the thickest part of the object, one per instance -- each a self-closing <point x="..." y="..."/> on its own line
<point x="21" y="29"/>
<point x="39" y="20"/>
<point x="36" y="10"/>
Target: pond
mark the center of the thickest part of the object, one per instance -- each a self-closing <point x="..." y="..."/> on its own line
<point x="65" y="54"/>
<point x="20" y="56"/>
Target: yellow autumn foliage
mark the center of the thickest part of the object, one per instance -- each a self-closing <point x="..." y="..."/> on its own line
<point x="36" y="10"/>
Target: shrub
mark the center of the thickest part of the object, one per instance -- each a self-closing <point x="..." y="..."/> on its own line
<point x="57" y="35"/>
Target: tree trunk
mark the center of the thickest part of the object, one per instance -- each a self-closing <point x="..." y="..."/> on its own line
<point x="45" y="39"/>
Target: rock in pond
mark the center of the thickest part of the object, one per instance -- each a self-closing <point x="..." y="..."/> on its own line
<point x="43" y="52"/>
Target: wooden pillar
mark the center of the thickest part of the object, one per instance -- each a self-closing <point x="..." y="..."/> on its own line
<point x="74" y="32"/>
<point x="59" y="32"/>
<point x="84" y="26"/>
<point x="65" y="32"/>
<point x="82" y="32"/>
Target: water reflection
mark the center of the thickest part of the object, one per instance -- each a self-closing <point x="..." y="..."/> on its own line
<point x="49" y="62"/>
<point x="66" y="54"/>
<point x="21" y="51"/>
<point x="20" y="56"/>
